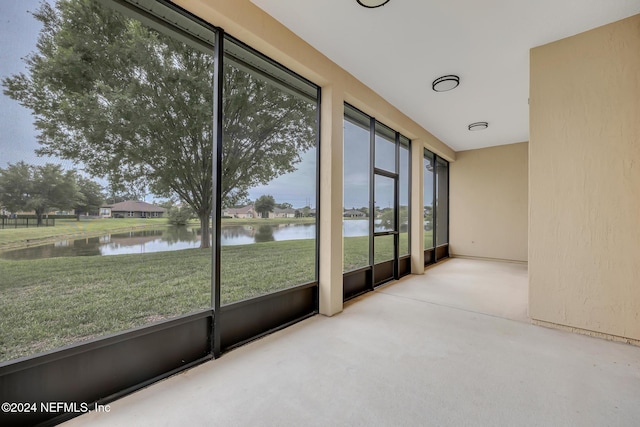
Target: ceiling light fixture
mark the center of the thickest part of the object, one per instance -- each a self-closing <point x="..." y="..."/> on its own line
<point x="371" y="4"/>
<point x="445" y="83"/>
<point x="478" y="126"/>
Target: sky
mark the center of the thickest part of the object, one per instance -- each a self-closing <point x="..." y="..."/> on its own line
<point x="18" y="36"/>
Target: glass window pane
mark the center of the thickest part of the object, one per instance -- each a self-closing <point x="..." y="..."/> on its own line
<point x="124" y="115"/>
<point x="442" y="202"/>
<point x="269" y="220"/>
<point x="428" y="223"/>
<point x="383" y="248"/>
<point x="385" y="148"/>
<point x="385" y="213"/>
<point x="355" y="226"/>
<point x="404" y="198"/>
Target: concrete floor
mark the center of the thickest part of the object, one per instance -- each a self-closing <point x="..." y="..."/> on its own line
<point x="450" y="347"/>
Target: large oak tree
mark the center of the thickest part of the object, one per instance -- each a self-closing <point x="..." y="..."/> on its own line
<point x="135" y="105"/>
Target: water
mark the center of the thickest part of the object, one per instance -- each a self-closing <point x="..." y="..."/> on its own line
<point x="175" y="239"/>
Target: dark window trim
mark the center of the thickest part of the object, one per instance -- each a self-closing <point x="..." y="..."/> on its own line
<point x="358" y="117"/>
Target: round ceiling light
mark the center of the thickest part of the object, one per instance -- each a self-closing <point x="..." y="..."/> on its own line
<point x="478" y="126"/>
<point x="445" y="83"/>
<point x="371" y="4"/>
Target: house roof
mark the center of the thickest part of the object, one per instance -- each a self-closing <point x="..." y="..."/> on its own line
<point x="285" y="211"/>
<point x="135" y="206"/>
<point x="242" y="210"/>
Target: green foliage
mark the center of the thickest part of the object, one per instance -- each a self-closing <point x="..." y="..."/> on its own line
<point x="136" y="105"/>
<point x="388" y="220"/>
<point x="90" y="197"/>
<point x="15" y="186"/>
<point x="306" y="212"/>
<point x="265" y="131"/>
<point x="116" y="194"/>
<point x="264" y="234"/>
<point x="167" y="204"/>
<point x="38" y="188"/>
<point x="180" y="215"/>
<point x="264" y="204"/>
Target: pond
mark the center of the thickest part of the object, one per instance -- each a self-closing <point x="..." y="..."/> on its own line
<point x="175" y="239"/>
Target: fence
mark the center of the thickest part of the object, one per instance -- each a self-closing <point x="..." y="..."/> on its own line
<point x="26" y="222"/>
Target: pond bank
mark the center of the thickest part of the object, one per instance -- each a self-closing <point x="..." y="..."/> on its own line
<point x="70" y="229"/>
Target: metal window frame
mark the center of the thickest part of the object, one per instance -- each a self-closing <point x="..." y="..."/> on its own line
<point x="140" y="353"/>
<point x="437" y="252"/>
<point x="369" y="272"/>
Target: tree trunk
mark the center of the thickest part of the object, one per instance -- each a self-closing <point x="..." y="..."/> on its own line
<point x="38" y="218"/>
<point x="205" y="231"/>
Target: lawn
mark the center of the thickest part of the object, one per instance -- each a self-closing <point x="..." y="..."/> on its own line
<point x="48" y="303"/>
<point x="52" y="302"/>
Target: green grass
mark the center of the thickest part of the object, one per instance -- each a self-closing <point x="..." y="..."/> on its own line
<point x="356" y="249"/>
<point x="428" y="239"/>
<point x="52" y="302"/>
<point x="48" y="303"/>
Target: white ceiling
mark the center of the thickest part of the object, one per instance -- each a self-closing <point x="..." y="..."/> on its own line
<point x="400" y="48"/>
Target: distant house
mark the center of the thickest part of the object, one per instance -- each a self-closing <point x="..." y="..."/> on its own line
<point x="105" y="211"/>
<point x="132" y="209"/>
<point x="354" y="213"/>
<point x="282" y="213"/>
<point x="243" y="212"/>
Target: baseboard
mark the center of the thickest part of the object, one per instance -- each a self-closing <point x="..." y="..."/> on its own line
<point x="479" y="258"/>
<point x="587" y="332"/>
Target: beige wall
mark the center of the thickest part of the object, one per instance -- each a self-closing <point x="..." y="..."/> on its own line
<point x="488" y="203"/>
<point x="584" y="165"/>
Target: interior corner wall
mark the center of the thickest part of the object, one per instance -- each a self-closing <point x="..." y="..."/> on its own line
<point x="584" y="165"/>
<point x="488" y="203"/>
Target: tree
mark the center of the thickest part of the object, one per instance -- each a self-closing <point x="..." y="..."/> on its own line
<point x="114" y="197"/>
<point x="264" y="205"/>
<point x="15" y="183"/>
<point x="264" y="234"/>
<point x="167" y="204"/>
<point x="38" y="188"/>
<point x="285" y="205"/>
<point x="90" y="197"/>
<point x="135" y="105"/>
<point x="179" y="215"/>
<point x="387" y="219"/>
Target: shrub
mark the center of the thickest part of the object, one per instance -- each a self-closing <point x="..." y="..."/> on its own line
<point x="180" y="215"/>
